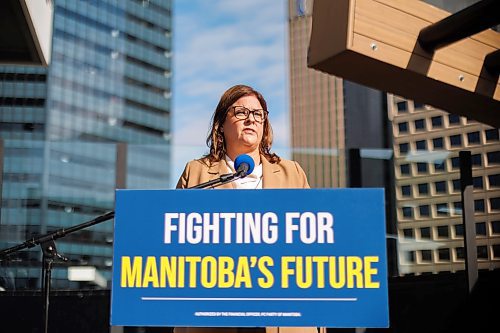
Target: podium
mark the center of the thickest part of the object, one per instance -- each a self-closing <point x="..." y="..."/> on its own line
<point x="250" y="258"/>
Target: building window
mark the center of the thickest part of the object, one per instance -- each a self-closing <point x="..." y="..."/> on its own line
<point x="410" y="256"/>
<point x="496" y="251"/>
<point x="442" y="209"/>
<point x="495" y="227"/>
<point x="444" y="254"/>
<point x="424" y="210"/>
<point x="440" y="187"/>
<point x="479" y="206"/>
<point x="491" y="135"/>
<point x="403" y="127"/>
<point x="473" y="138"/>
<point x="456" y="185"/>
<point x="482" y="252"/>
<point x="476" y="160"/>
<point x="457" y="207"/>
<point x="418" y="105"/>
<point x="423" y="189"/>
<point x="439" y="166"/>
<point x="495" y="204"/>
<point x="493" y="181"/>
<point x="493" y="157"/>
<point x="460" y="253"/>
<point x="442" y="231"/>
<point x="455" y="140"/>
<point x="421" y="145"/>
<point x="420" y="124"/>
<point x="477" y="182"/>
<point x="426" y="255"/>
<point x="437" y="122"/>
<point x="408" y="233"/>
<point x="425" y="233"/>
<point x="437" y="143"/>
<point x="455" y="163"/>
<point x="405" y="169"/>
<point x="422" y="167"/>
<point x="481" y="228"/>
<point x="407" y="212"/>
<point x="402" y="107"/>
<point x="406" y="190"/>
<point x="403" y="148"/>
<point x="459" y="230"/>
<point x="453" y="119"/>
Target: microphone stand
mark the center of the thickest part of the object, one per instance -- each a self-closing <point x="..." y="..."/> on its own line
<point x="223" y="179"/>
<point x="50" y="254"/>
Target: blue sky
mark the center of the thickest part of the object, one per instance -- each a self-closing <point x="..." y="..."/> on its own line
<point x="219" y="43"/>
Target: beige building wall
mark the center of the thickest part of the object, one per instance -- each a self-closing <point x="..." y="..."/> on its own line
<point x="427" y="142"/>
<point x="317" y="108"/>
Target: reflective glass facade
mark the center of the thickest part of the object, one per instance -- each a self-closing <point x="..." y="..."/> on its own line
<point x="97" y="119"/>
<point x="428" y="197"/>
<point x="410" y="149"/>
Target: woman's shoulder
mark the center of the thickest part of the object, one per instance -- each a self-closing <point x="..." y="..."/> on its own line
<point x="284" y="161"/>
<point x="288" y="164"/>
<point x="197" y="171"/>
<point x="202" y="162"/>
<point x="285" y="174"/>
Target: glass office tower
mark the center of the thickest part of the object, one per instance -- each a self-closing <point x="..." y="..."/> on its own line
<point x="332" y="117"/>
<point x="339" y="128"/>
<point x="427" y="142"/>
<point x="316" y="107"/>
<point x="98" y="118"/>
<point x="418" y="142"/>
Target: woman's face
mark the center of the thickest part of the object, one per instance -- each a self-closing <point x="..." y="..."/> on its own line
<point x="243" y="135"/>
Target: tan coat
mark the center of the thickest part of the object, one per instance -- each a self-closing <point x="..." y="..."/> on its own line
<point x="285" y="174"/>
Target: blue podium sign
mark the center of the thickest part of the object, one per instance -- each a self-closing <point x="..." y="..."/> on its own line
<point x="236" y="258"/>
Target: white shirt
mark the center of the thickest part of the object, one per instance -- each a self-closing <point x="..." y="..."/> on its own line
<point x="251" y="181"/>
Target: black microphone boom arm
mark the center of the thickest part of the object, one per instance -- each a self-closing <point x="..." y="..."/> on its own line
<point x="223" y="179"/>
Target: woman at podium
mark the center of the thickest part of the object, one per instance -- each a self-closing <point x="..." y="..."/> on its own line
<point x="240" y="127"/>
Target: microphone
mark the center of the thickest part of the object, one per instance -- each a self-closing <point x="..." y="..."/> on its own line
<point x="243" y="164"/>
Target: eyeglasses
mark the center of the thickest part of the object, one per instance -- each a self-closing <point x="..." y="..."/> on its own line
<point x="241" y="112"/>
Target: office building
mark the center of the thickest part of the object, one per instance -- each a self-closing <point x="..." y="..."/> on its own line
<point x="317" y="108"/>
<point x="427" y="142"/>
<point x="96" y="119"/>
<point x="333" y="119"/>
<point x="340" y="130"/>
<point x="419" y="143"/>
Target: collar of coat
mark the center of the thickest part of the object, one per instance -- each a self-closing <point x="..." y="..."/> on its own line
<point x="270" y="172"/>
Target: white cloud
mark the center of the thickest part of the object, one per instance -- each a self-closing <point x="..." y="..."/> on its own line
<point x="246" y="37"/>
<point x="245" y="7"/>
<point x="217" y="53"/>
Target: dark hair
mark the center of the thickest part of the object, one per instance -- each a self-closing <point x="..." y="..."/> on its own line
<point x="215" y="139"/>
